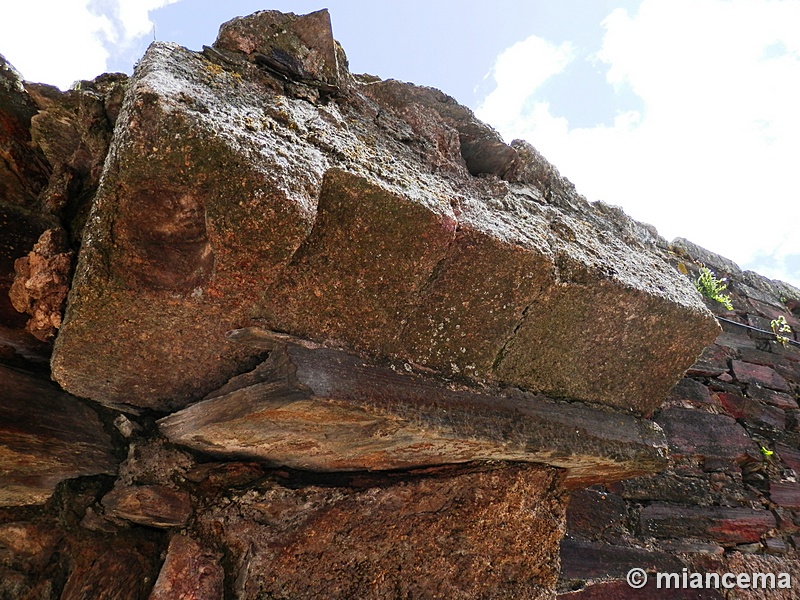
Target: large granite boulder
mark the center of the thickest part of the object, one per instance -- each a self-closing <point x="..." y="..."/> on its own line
<point x="259" y="183"/>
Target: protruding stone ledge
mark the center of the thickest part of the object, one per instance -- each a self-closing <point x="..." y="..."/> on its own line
<point x="321" y="409"/>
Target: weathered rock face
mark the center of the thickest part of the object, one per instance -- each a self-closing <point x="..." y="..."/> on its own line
<point x="260" y="183"/>
<point x="465" y="343"/>
<point x="370" y="542"/>
<point x="728" y="501"/>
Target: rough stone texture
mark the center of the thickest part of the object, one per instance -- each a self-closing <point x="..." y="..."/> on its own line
<point x="41" y="283"/>
<point x="320" y="409"/>
<point x="120" y="568"/>
<point x="759" y="375"/>
<point x="702" y="434"/>
<point x="46" y="436"/>
<point x="189" y="572"/>
<point x="282" y="191"/>
<point x="445" y="536"/>
<point x="73" y="130"/>
<point x="259" y="183"/>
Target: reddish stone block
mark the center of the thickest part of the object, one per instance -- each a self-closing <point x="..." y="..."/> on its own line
<point x="704" y="435"/>
<point x="723" y="525"/>
<point x="778" y="399"/>
<point x="785" y="494"/>
<point x="759" y="374"/>
<point x="753" y="411"/>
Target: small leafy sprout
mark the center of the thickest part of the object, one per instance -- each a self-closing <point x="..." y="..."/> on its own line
<point x="711" y="287"/>
<point x="767" y="452"/>
<point x="780" y="326"/>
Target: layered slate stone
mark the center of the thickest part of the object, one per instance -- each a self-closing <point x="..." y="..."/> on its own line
<point x="258" y="182"/>
<point x="46" y="436"/>
<point x="320" y="409"/>
<point x="724" y="525"/>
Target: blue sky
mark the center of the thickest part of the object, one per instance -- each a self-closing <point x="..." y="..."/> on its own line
<point x="683" y="112"/>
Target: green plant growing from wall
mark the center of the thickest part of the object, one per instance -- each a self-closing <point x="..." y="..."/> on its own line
<point x="766" y="453"/>
<point x="711" y="287"/>
<point x="779" y="327"/>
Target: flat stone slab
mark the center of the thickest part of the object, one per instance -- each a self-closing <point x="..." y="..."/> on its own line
<point x="246" y="186"/>
<point x="46" y="436"/>
<point x="321" y="409"/>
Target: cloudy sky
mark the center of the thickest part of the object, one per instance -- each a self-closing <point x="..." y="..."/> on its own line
<point x="683" y="112"/>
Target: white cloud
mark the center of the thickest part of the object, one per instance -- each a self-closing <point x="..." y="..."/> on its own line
<point x="61" y="41"/>
<point x="712" y="155"/>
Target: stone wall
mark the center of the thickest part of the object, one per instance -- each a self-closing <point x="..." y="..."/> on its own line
<point x="269" y="329"/>
<point x="728" y="499"/>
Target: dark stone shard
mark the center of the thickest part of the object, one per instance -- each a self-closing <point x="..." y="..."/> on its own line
<point x="723" y="525"/>
<point x="46" y="436"/>
<point x="122" y="567"/>
<point x="712" y="362"/>
<point x="759" y="375"/>
<point x="694" y="433"/>
<point x="790" y="456"/>
<point x="152" y="505"/>
<point x="326" y="410"/>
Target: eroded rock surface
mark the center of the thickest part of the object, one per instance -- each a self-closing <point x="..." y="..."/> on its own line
<point x="260" y="183"/>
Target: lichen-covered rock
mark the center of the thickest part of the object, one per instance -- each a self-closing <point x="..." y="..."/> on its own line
<point x="233" y="197"/>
